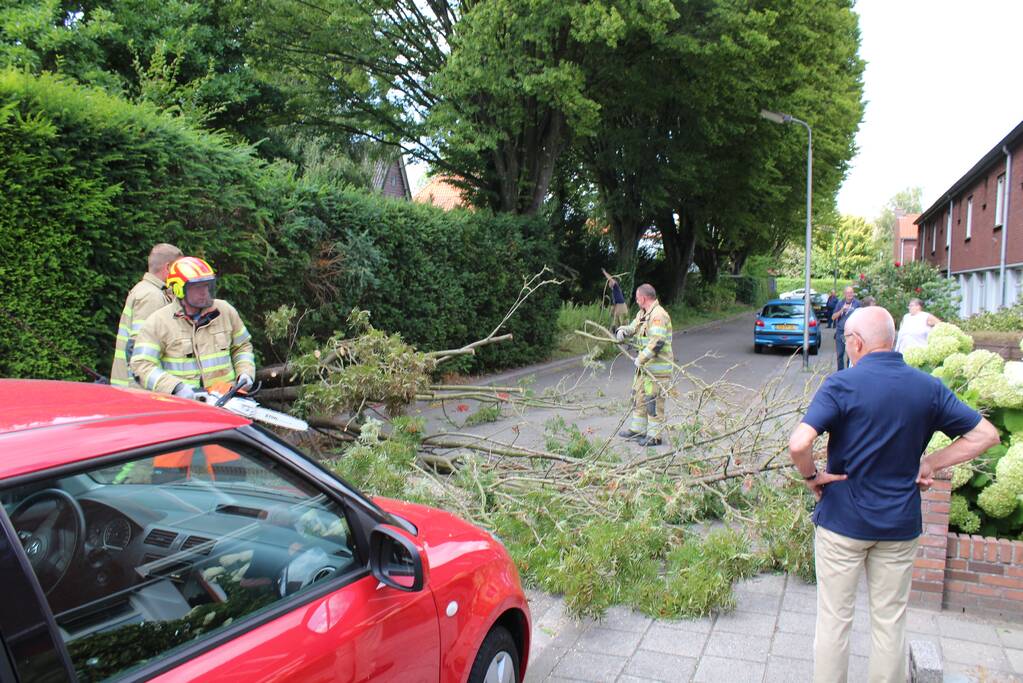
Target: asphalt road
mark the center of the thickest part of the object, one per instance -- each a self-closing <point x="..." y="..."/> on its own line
<point x="595" y="398"/>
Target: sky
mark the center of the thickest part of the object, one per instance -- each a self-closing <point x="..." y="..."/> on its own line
<point x="942" y="87"/>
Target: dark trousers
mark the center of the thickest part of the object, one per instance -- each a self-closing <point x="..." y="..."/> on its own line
<point x="840" y="351"/>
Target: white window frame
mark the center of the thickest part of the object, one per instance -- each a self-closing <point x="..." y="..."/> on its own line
<point x="1000" y="201"/>
<point x="948" y="230"/>
<point x="969" y="218"/>
<point x="934" y="235"/>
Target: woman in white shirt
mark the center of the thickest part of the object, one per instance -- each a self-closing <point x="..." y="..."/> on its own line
<point x="915" y="327"/>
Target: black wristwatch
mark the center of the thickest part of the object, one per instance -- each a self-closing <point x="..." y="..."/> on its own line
<point x="812" y="476"/>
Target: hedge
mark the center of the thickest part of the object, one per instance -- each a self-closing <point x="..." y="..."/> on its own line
<point x="89" y="182"/>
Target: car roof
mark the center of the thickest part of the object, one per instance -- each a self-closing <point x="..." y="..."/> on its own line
<point x="784" y="301"/>
<point x="45" y="424"/>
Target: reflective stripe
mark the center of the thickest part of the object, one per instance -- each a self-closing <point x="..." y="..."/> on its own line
<point x="242" y="337"/>
<point x="146" y="351"/>
<point x="135" y="327"/>
<point x="245" y="358"/>
<point x="153" y="378"/>
<point x="214" y="368"/>
<point x="180" y="369"/>
<point x="120" y="382"/>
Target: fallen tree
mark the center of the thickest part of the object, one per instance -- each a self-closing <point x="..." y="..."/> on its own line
<point x="582" y="514"/>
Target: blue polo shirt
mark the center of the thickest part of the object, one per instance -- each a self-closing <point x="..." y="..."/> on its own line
<point x="880" y="415"/>
<point x="840" y="323"/>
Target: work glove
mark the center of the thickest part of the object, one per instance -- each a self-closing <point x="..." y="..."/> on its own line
<point x="184" y="391"/>
<point x="620" y="334"/>
<point x="244" y="381"/>
<point x="638" y="363"/>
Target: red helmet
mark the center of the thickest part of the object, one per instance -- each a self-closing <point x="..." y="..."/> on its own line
<point x="192" y="280"/>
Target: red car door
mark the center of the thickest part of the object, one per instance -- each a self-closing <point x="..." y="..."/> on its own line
<point x="364" y="631"/>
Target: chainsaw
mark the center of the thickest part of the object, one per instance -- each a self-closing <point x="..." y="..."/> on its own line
<point x="229" y="397"/>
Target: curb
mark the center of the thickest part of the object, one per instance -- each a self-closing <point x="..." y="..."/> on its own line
<point x="564" y="363"/>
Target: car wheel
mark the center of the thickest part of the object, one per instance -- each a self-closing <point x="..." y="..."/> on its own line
<point x="814" y="349"/>
<point x="498" y="659"/>
<point x="757" y="348"/>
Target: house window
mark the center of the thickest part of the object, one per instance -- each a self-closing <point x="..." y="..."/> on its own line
<point x="1000" y="201"/>
<point x="948" y="230"/>
<point x="969" y="217"/>
<point x="934" y="235"/>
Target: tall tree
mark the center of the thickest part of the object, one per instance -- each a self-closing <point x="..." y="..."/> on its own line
<point x="186" y="56"/>
<point x="491" y="91"/>
<point x="905" y="201"/>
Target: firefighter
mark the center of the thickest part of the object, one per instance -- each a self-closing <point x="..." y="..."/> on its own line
<point x="194" y="342"/>
<point x="144" y="299"/>
<point x="651" y="329"/>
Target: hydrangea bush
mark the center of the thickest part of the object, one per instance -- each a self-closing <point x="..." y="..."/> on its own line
<point x="988" y="492"/>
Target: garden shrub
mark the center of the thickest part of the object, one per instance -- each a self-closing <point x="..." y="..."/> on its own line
<point x="90" y="182"/>
<point x="1004" y="320"/>
<point x="893" y="285"/>
<point x="988" y="490"/>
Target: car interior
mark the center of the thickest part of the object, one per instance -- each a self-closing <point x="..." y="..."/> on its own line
<point x="140" y="557"/>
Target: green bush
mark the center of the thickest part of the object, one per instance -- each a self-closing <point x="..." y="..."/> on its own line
<point x="894" y="285"/>
<point x="709" y="296"/>
<point x="1004" y="320"/>
<point x="750" y="290"/>
<point x="90" y="182"/>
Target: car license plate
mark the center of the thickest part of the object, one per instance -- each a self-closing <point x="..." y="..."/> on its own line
<point x="784" y="327"/>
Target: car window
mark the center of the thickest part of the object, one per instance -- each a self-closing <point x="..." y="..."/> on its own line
<point x="144" y="557"/>
<point x="783" y="311"/>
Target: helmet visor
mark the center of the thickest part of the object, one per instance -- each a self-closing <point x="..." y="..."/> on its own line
<point x="200" y="293"/>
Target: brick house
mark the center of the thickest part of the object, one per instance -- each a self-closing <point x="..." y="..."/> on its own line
<point x="905" y="237"/>
<point x="440" y="191"/>
<point x="390" y="178"/>
<point x="974" y="231"/>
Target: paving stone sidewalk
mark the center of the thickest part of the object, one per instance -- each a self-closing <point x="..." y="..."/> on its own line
<point x="769" y="637"/>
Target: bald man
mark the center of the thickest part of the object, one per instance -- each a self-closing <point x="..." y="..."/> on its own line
<point x="843" y="309"/>
<point x="880" y="415"/>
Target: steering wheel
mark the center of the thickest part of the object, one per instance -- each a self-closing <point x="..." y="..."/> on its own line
<point x="51" y="548"/>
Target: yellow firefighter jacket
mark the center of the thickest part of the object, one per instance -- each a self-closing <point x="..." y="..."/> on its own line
<point x="652" y="332"/>
<point x="171" y="349"/>
<point x="144" y="299"/>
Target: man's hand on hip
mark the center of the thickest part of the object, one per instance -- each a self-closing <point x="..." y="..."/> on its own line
<point x="817" y="484"/>
<point x="925" y="479"/>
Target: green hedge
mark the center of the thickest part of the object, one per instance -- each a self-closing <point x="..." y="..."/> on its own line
<point x="89" y="182"/>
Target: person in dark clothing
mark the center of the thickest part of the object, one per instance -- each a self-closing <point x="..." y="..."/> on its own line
<point x="829" y="308"/>
<point x="880" y="415"/>
<point x="843" y="309"/>
<point x="619" y="309"/>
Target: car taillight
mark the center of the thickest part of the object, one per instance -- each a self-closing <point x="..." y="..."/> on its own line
<point x="813" y="323"/>
<point x="760" y="323"/>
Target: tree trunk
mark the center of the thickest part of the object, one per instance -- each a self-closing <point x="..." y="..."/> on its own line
<point x="707" y="260"/>
<point x="626" y="236"/>
<point x="679" y="240"/>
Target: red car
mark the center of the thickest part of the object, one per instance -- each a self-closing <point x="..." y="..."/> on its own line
<point x="144" y="537"/>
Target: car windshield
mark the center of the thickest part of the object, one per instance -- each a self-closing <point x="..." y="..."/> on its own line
<point x="783" y="311"/>
<point x="177" y="546"/>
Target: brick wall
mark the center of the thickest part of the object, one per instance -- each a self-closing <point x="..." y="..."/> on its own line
<point x="984" y="575"/>
<point x="960" y="572"/>
<point x="929" y="568"/>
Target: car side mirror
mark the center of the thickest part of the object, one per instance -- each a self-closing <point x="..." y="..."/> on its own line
<point x="395" y="560"/>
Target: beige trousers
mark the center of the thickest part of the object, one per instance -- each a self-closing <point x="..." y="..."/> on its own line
<point x="889" y="567"/>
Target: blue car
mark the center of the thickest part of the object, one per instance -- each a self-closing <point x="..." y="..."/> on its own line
<point x="780" y="323"/>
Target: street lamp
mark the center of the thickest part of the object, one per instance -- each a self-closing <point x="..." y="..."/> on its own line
<point x="778" y="117"/>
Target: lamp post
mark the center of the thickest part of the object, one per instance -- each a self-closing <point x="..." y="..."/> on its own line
<point x="778" y="117"/>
